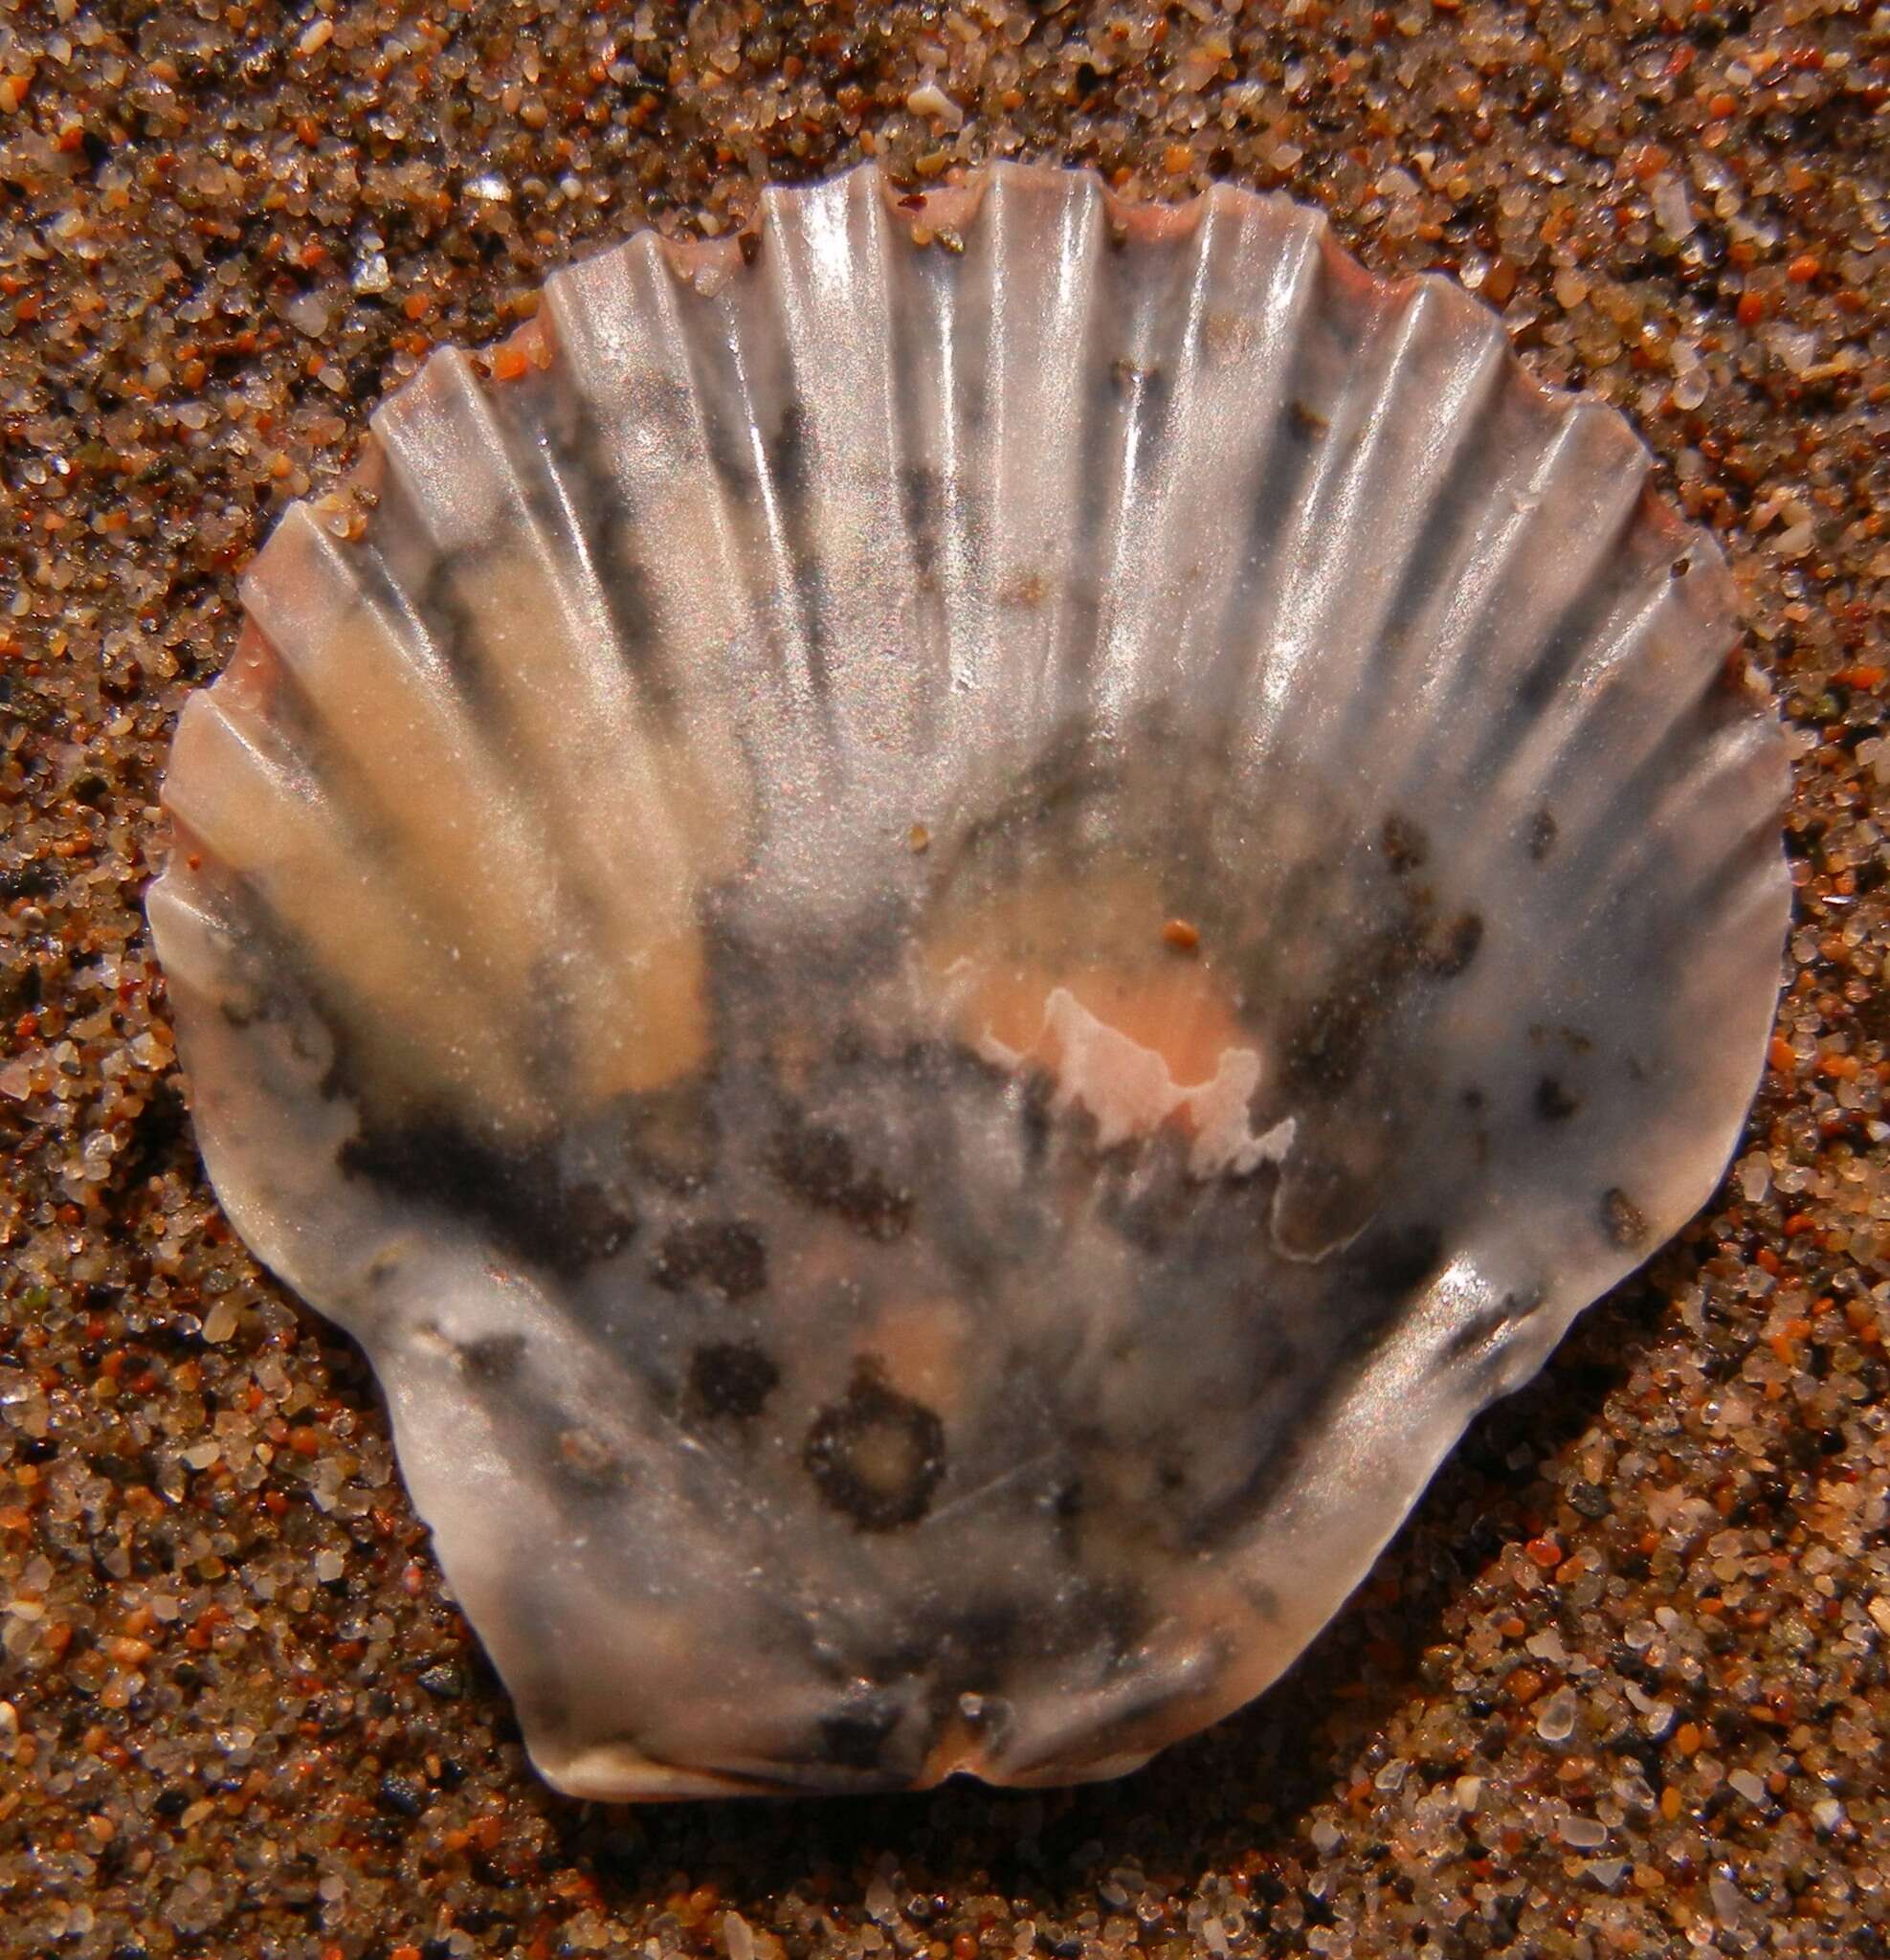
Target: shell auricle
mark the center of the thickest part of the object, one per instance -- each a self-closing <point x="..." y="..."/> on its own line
<point x="946" y="928"/>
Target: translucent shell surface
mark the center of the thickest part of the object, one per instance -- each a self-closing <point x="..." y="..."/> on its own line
<point x="947" y="931"/>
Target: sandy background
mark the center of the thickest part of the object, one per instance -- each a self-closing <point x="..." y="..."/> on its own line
<point x="1620" y="1686"/>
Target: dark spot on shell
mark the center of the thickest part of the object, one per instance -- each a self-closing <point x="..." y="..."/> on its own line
<point x="1553" y="1104"/>
<point x="789" y="453"/>
<point x="727" y="458"/>
<point x="1327" y="1044"/>
<point x="1033" y="1104"/>
<point x="1159" y="1202"/>
<point x="1305" y="422"/>
<point x="1621" y="1218"/>
<point x="816" y="1164"/>
<point x="854" y="1734"/>
<point x="813" y="594"/>
<point x="493" y="1357"/>
<point x="732" y="1379"/>
<point x="1146" y="391"/>
<point x="876" y="1456"/>
<point x="660" y="405"/>
<point x="980" y="1643"/>
<point x="728" y="1256"/>
<point x="921" y="497"/>
<point x="631" y="587"/>
<point x="925" y="1060"/>
<point x="1449" y="949"/>
<point x="1550" y="669"/>
<point x="1541" y="835"/>
<point x="522" y="1197"/>
<point x="1406" y="846"/>
<point x="1326" y="1049"/>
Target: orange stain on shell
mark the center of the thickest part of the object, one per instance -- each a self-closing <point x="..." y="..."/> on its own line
<point x="1103" y="939"/>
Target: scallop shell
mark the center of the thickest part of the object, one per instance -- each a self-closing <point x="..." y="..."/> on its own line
<point x="947" y="931"/>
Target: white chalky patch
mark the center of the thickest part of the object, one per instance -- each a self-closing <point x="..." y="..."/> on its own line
<point x="1131" y="1091"/>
